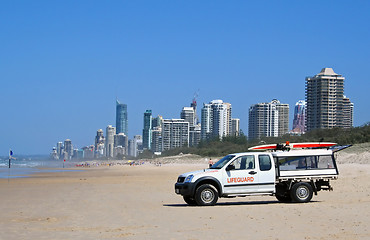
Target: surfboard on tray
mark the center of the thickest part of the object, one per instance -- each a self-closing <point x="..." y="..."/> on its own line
<point x="293" y="145"/>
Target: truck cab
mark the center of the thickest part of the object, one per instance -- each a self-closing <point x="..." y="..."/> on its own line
<point x="238" y="174"/>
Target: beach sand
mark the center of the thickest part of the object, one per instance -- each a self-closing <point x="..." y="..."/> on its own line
<point x="138" y="202"/>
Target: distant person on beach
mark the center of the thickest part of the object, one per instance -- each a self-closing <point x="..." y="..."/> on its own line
<point x="210" y="162"/>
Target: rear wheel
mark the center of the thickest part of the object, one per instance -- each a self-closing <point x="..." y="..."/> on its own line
<point x="284" y="198"/>
<point x="282" y="193"/>
<point x="301" y="192"/>
<point x="189" y="200"/>
<point x="206" y="195"/>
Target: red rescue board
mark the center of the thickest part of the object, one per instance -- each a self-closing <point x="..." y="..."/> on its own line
<point x="293" y="145"/>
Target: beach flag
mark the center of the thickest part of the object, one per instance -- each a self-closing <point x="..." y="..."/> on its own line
<point x="11" y="153"/>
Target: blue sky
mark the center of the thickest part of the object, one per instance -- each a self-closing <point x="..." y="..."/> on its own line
<point x="63" y="63"/>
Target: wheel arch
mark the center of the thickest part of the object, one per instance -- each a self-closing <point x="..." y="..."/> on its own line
<point x="208" y="180"/>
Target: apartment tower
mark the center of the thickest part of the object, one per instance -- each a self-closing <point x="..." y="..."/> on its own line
<point x="121" y="118"/>
<point x="326" y="105"/>
<point x="216" y="120"/>
<point x="268" y="119"/>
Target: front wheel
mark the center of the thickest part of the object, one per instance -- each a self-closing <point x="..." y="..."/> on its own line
<point x="206" y="195"/>
<point x="189" y="200"/>
<point x="301" y="192"/>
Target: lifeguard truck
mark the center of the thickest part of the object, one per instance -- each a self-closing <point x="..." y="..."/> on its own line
<point x="291" y="173"/>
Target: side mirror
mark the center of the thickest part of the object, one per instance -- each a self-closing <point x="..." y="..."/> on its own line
<point x="230" y="167"/>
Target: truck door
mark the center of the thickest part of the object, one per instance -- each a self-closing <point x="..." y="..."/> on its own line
<point x="240" y="176"/>
<point x="266" y="173"/>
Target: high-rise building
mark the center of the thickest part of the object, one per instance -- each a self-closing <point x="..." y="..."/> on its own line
<point x="188" y="114"/>
<point x="120" y="139"/>
<point x="235" y="127"/>
<point x="68" y="149"/>
<point x="99" y="143"/>
<point x="175" y="133"/>
<point x="109" y="141"/>
<point x="194" y="135"/>
<point x="216" y="119"/>
<point x="206" y="121"/>
<point x="147" y="130"/>
<point x="135" y="146"/>
<point x="157" y="122"/>
<point x="299" y="125"/>
<point x="263" y="121"/>
<point x="86" y="152"/>
<point x="268" y="119"/>
<point x="59" y="149"/>
<point x="283" y="117"/>
<point x="157" y="134"/>
<point x="347" y="113"/>
<point x="121" y="118"/>
<point x="325" y="100"/>
<point x="120" y="144"/>
<point x="157" y="139"/>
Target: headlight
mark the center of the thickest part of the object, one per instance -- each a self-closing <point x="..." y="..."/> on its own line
<point x="189" y="178"/>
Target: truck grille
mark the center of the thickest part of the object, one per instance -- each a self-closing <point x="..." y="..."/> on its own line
<point x="181" y="179"/>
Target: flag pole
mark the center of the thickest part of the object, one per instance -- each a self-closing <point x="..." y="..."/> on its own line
<point x="9" y="156"/>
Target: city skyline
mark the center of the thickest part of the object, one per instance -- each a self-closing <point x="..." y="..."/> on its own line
<point x="60" y="76"/>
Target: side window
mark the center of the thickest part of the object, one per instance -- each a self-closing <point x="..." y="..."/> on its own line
<point x="325" y="162"/>
<point x="249" y="162"/>
<point x="311" y="162"/>
<point x="244" y="162"/>
<point x="265" y="162"/>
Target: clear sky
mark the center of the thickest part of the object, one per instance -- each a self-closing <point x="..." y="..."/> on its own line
<point x="64" y="63"/>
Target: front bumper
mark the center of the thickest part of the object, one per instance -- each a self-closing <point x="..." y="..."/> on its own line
<point x="184" y="189"/>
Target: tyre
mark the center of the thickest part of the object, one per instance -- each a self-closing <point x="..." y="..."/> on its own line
<point x="282" y="193"/>
<point x="284" y="198"/>
<point x="206" y="195"/>
<point x="301" y="192"/>
<point x="189" y="200"/>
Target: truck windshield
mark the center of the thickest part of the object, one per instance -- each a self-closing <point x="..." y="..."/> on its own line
<point x="220" y="163"/>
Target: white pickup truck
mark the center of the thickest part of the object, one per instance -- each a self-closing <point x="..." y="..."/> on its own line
<point x="292" y="176"/>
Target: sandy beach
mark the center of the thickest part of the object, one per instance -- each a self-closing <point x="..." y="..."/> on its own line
<point x="138" y="202"/>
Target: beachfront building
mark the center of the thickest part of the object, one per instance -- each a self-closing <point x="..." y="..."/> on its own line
<point x="121" y="118"/>
<point x="157" y="122"/>
<point x="59" y="150"/>
<point x="299" y="124"/>
<point x="326" y="105"/>
<point x="347" y="113"/>
<point x="175" y="133"/>
<point x="156" y="145"/>
<point x="215" y="120"/>
<point x="120" y="144"/>
<point x="283" y="116"/>
<point x="188" y="114"/>
<point x="109" y="141"/>
<point x="135" y="146"/>
<point x="86" y="152"/>
<point x="157" y="139"/>
<point x="68" y="149"/>
<point x="235" y="127"/>
<point x="268" y="119"/>
<point x="147" y="130"/>
<point x="194" y="135"/>
<point x="99" y="143"/>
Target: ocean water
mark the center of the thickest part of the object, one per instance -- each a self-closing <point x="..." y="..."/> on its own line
<point x="27" y="166"/>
